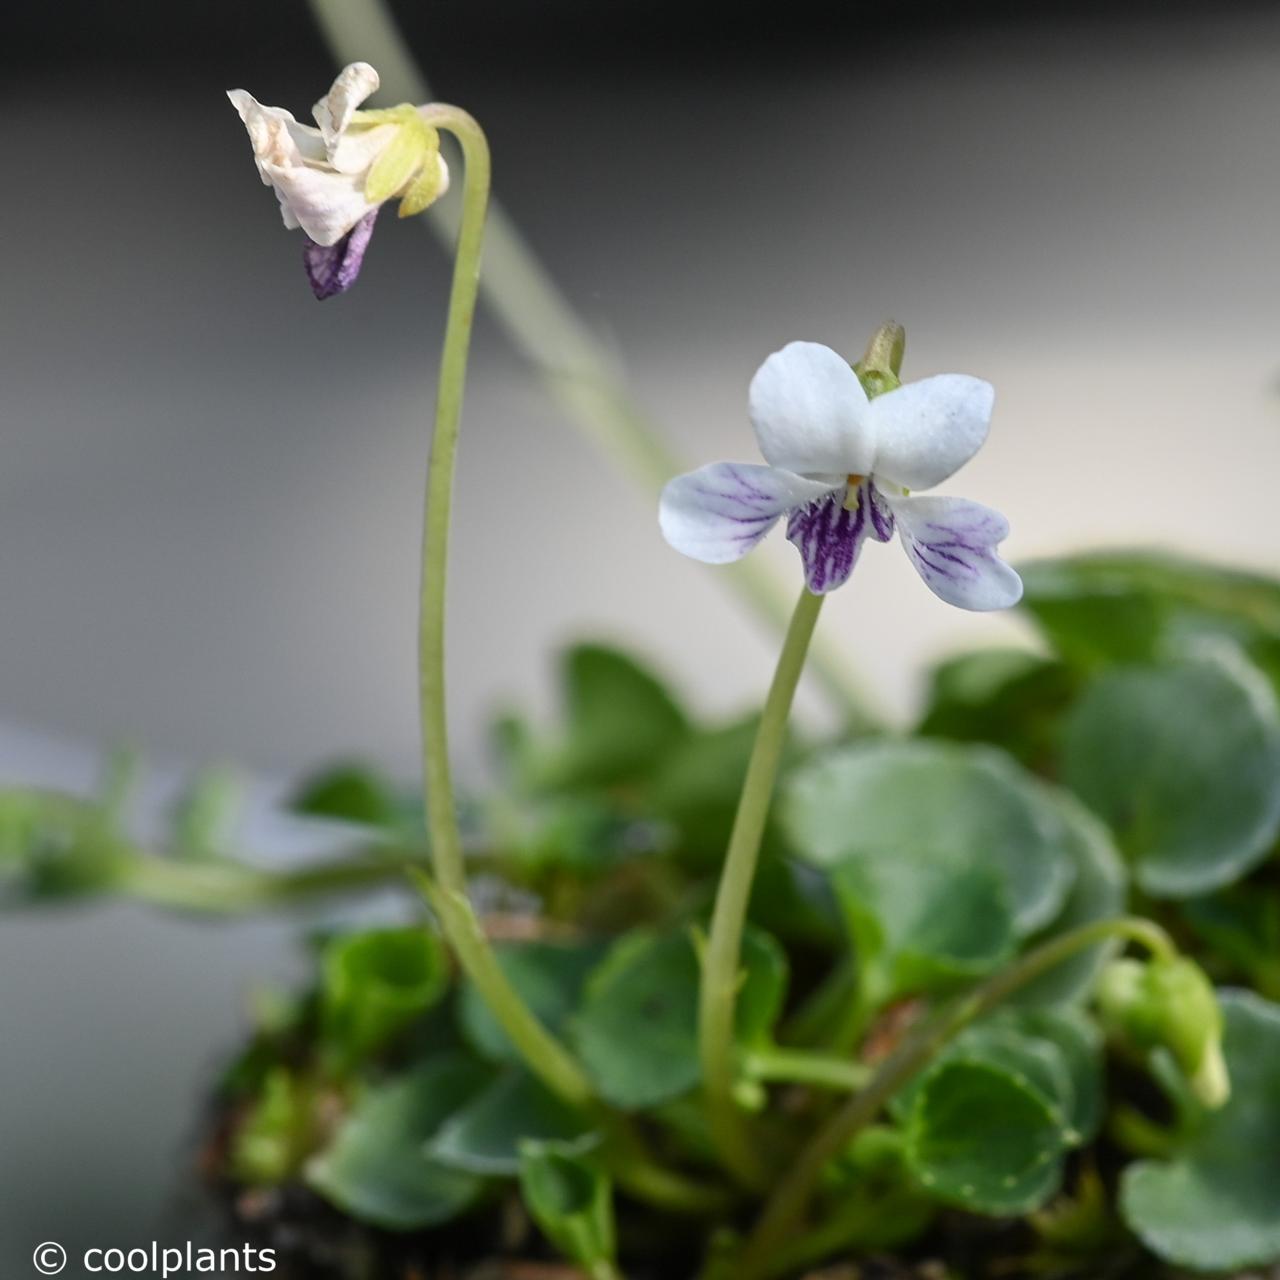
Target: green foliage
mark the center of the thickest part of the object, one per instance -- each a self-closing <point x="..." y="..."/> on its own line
<point x="621" y="720"/>
<point x="988" y="1126"/>
<point x="1005" y="696"/>
<point x="378" y="1169"/>
<point x="375" y="985"/>
<point x="1133" y="768"/>
<point x="1213" y="1207"/>
<point x="571" y="1200"/>
<point x="549" y="977"/>
<point x="352" y="793"/>
<point x="1099" y="888"/>
<point x="1183" y="761"/>
<point x="485" y="1134"/>
<point x="1109" y="607"/>
<point x="636" y="1031"/>
<point x="966" y="803"/>
<point x="921" y="923"/>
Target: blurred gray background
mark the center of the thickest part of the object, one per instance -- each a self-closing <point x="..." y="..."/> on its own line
<point x="210" y="485"/>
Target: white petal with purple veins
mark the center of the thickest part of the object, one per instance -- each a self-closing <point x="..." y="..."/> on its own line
<point x="880" y="522"/>
<point x="952" y="543"/>
<point x="926" y="431"/>
<point x="809" y="411"/>
<point x="828" y="536"/>
<point x="718" y="513"/>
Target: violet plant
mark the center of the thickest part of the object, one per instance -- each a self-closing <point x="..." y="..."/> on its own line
<point x="675" y="1024"/>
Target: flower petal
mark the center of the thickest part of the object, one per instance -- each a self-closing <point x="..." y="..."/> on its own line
<point x="326" y="205"/>
<point x="881" y="523"/>
<point x="718" y="513"/>
<point x="952" y="543"/>
<point x="332" y="269"/>
<point x="828" y="537"/>
<point x="353" y="84"/>
<point x="927" y="430"/>
<point x="809" y="412"/>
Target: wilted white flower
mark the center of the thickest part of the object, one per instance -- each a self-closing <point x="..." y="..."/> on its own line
<point x="842" y="468"/>
<point x="331" y="178"/>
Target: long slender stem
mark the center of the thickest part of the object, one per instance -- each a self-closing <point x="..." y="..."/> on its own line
<point x="442" y="821"/>
<point x="785" y="1209"/>
<point x="545" y="1056"/>
<point x="578" y="372"/>
<point x="720" y="979"/>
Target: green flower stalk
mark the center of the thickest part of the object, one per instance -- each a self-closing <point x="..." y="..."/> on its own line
<point x="331" y="180"/>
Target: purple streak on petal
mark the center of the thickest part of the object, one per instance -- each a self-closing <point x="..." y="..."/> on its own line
<point x="332" y="269"/>
<point x="828" y="538"/>
<point x="955" y="552"/>
<point x="881" y="513"/>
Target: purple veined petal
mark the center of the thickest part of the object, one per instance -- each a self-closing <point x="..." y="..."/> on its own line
<point x="952" y="543"/>
<point x="719" y="512"/>
<point x="828" y="537"/>
<point x="881" y="523"/>
<point x="332" y="269"/>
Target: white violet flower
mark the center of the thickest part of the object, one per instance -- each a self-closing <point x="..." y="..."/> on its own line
<point x="332" y="178"/>
<point x="842" y="468"/>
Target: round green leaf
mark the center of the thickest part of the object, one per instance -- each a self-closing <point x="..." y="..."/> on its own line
<point x="922" y="923"/>
<point x="1216" y="1206"/>
<point x="985" y="1137"/>
<point x="1183" y="761"/>
<point x="484" y="1136"/>
<point x="376" y="1168"/>
<point x="971" y="803"/>
<point x="637" y="1029"/>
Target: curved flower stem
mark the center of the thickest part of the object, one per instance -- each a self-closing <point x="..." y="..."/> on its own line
<point x="720" y="977"/>
<point x="577" y="371"/>
<point x="545" y="1056"/>
<point x="785" y="1209"/>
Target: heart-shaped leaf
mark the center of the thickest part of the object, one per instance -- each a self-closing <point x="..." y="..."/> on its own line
<point x="376" y="1168"/>
<point x="1215" y="1206"/>
<point x="1182" y="760"/>
<point x="970" y="803"/>
<point x="637" y="1029"/>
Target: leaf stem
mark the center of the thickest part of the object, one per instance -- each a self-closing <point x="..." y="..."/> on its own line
<point x="785" y="1209"/>
<point x="720" y="967"/>
<point x="543" y="1053"/>
<point x="804" y="1066"/>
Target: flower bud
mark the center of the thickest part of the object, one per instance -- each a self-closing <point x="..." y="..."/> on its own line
<point x="1168" y="1004"/>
